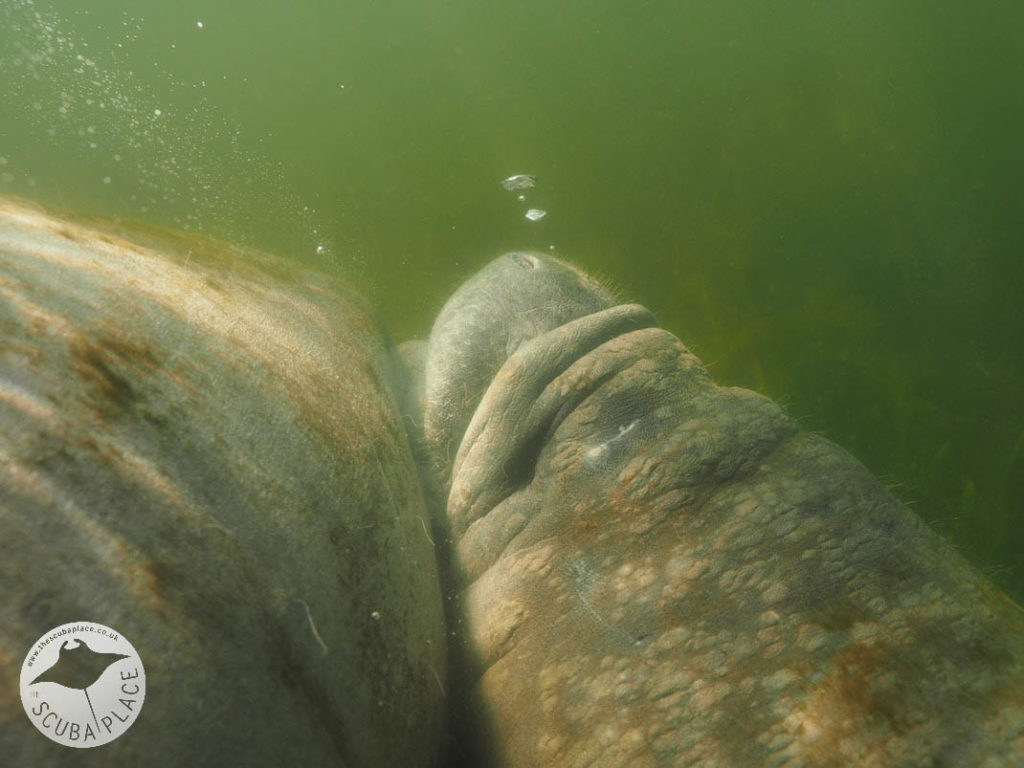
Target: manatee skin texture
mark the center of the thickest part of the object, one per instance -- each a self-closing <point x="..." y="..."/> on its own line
<point x="659" y="570"/>
<point x="200" y="447"/>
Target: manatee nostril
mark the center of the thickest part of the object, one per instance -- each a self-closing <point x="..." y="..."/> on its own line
<point x="524" y="260"/>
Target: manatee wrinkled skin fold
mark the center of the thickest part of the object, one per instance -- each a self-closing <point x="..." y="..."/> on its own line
<point x="661" y="571"/>
<point x="200" y="447"/>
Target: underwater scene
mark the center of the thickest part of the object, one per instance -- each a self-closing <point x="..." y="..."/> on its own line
<point x="822" y="199"/>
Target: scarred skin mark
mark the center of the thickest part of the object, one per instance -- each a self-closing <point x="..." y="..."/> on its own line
<point x="94" y="362"/>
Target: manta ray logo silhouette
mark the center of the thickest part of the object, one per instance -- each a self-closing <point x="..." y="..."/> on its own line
<point x="79" y="667"/>
<point x="82" y="684"/>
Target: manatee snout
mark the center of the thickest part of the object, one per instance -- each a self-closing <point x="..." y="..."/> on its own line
<point x="515" y="298"/>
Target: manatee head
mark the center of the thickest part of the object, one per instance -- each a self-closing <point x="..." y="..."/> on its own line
<point x="515" y="298"/>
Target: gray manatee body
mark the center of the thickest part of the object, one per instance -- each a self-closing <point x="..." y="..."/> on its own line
<point x="204" y="448"/>
<point x="660" y="571"/>
<point x="200" y="448"/>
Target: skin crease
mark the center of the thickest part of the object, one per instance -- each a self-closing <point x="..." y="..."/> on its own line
<point x="219" y="455"/>
<point x="657" y="570"/>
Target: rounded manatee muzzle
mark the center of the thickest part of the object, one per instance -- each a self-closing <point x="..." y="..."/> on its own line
<point x="515" y="298"/>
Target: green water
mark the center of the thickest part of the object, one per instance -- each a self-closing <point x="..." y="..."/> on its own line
<point x="823" y="199"/>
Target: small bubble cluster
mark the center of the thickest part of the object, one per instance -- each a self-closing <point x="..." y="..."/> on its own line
<point x="155" y="146"/>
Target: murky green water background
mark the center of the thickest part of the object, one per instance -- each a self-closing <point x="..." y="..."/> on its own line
<point x="823" y="199"/>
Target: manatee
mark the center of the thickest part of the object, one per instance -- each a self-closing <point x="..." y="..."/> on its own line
<point x="657" y="570"/>
<point x="201" y="447"/>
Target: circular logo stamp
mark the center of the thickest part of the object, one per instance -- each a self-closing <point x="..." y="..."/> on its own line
<point x="82" y="684"/>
